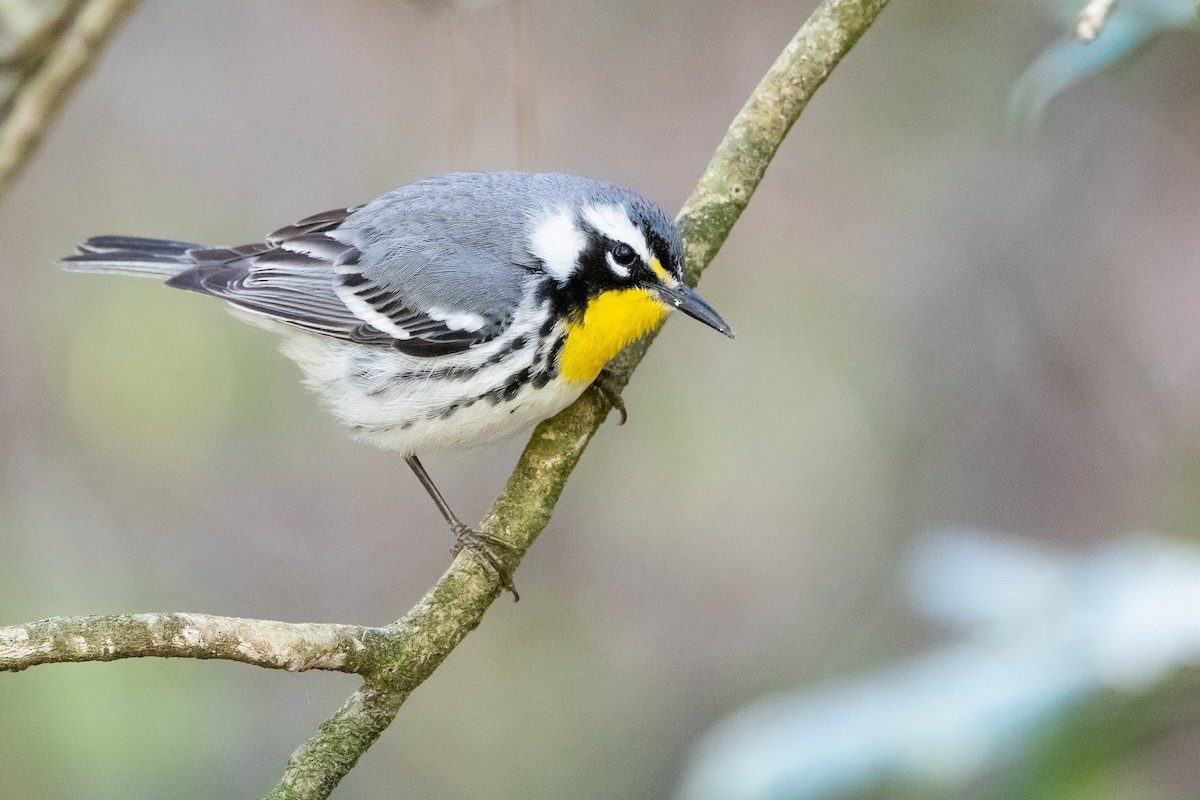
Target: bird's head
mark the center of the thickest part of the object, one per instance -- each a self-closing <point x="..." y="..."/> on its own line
<point x="617" y="262"/>
<point x="612" y="240"/>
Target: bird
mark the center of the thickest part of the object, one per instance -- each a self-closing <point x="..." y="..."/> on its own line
<point x="448" y="313"/>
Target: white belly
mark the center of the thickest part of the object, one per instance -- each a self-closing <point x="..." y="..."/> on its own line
<point x="408" y="404"/>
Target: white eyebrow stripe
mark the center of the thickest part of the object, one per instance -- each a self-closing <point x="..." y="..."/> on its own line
<point x="557" y="241"/>
<point x="613" y="222"/>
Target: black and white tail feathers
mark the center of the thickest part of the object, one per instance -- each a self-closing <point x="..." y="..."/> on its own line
<point x="265" y="278"/>
<point x="290" y="278"/>
<point x="132" y="255"/>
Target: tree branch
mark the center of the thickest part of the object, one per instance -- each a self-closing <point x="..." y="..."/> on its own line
<point x="456" y="604"/>
<point x="261" y="642"/>
<point x="396" y="659"/>
<point x="53" y="66"/>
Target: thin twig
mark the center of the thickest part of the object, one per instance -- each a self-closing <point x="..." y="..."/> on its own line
<point x="44" y="91"/>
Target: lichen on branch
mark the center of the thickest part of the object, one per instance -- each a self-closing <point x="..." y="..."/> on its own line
<point x="261" y="642"/>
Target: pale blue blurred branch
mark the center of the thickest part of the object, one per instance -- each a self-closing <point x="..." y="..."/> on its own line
<point x="1045" y="632"/>
<point x="1128" y="26"/>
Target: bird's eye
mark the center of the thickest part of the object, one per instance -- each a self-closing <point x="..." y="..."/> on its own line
<point x="623" y="254"/>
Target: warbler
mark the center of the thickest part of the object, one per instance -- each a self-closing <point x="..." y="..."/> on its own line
<point x="448" y="313"/>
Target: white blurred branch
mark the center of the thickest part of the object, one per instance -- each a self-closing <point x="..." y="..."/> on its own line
<point x="1091" y="19"/>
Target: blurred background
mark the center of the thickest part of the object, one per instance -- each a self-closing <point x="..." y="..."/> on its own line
<point x="944" y="320"/>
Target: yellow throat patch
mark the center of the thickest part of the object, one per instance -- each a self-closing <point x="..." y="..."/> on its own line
<point x="610" y="321"/>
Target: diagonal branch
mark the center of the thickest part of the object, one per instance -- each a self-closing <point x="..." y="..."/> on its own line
<point x="456" y="604"/>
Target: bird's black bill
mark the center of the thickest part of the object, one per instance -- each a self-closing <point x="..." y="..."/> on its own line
<point x="686" y="300"/>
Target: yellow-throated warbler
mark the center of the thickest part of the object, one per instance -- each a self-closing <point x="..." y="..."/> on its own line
<point x="448" y="313"/>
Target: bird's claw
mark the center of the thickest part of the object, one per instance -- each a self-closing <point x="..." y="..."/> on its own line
<point x="483" y="546"/>
<point x="605" y="386"/>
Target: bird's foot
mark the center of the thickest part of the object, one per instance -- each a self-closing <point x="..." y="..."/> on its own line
<point x="606" y="386"/>
<point x="483" y="546"/>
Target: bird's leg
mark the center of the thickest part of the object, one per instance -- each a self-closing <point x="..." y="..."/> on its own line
<point x="481" y="543"/>
<point x="606" y="386"/>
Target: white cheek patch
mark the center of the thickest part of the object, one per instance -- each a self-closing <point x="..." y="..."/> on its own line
<point x="613" y="222"/>
<point x="557" y="241"/>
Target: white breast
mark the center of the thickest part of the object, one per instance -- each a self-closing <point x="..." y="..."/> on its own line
<point x="418" y="405"/>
